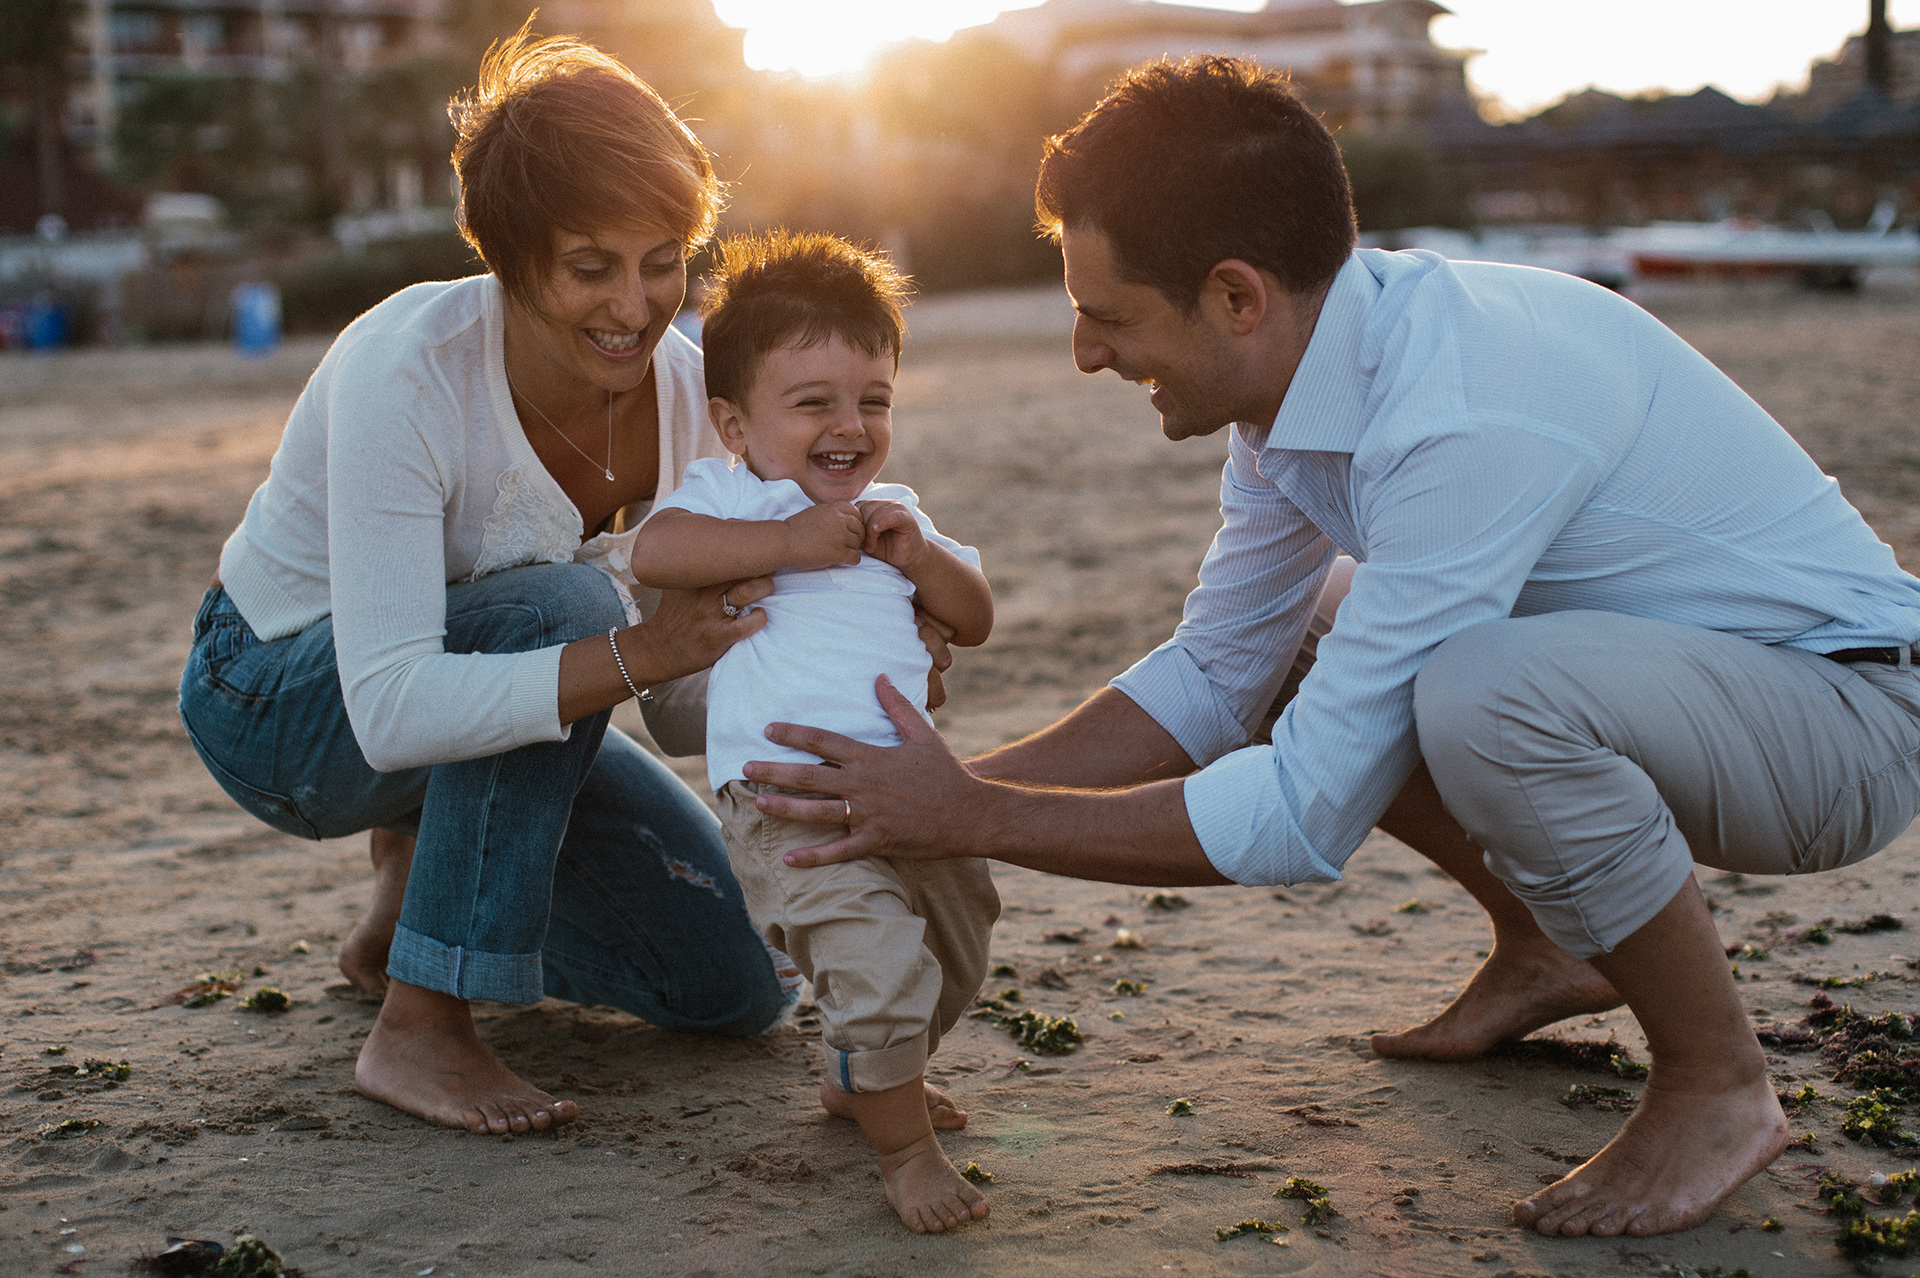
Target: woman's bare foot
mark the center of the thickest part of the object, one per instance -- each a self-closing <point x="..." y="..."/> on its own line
<point x="1523" y="985"/>
<point x="929" y="1194"/>
<point x="363" y="959"/>
<point x="941" y="1111"/>
<point x="1679" y="1153"/>
<point x="423" y="1057"/>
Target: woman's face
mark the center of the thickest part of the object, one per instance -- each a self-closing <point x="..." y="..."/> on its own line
<point x="607" y="301"/>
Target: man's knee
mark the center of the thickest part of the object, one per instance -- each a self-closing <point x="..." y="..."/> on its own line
<point x="531" y="607"/>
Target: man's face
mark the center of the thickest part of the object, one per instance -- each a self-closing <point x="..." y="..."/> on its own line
<point x="1187" y="361"/>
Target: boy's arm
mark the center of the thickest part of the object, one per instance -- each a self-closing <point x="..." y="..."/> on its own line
<point x="680" y="549"/>
<point x="953" y="591"/>
<point x="948" y="588"/>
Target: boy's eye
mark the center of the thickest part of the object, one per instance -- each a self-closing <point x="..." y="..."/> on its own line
<point x="881" y="404"/>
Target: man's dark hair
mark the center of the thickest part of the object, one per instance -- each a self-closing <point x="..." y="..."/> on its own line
<point x="1183" y="165"/>
<point x="788" y="286"/>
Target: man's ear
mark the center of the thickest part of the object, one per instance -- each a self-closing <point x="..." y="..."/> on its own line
<point x="1237" y="294"/>
<point x="729" y="424"/>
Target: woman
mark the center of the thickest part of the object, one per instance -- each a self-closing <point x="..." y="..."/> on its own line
<point x="417" y="625"/>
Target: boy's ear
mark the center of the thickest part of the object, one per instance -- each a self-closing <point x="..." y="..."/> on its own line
<point x="729" y="424"/>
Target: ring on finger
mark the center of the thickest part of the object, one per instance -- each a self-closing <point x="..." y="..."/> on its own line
<point x="847" y="820"/>
<point x="731" y="610"/>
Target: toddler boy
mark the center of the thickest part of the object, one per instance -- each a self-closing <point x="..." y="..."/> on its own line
<point x="802" y="338"/>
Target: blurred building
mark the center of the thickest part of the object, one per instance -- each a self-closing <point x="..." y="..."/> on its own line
<point x="1370" y="67"/>
<point x="122" y="43"/>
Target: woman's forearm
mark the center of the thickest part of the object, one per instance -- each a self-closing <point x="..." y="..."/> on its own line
<point x="687" y="632"/>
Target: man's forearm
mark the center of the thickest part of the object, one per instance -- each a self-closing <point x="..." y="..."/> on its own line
<point x="1108" y="742"/>
<point x="1139" y="835"/>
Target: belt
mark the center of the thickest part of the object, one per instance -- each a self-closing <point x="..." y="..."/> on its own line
<point x="1879" y="656"/>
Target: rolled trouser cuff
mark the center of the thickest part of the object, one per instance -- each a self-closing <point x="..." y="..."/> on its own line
<point x="877" y="1071"/>
<point x="463" y="973"/>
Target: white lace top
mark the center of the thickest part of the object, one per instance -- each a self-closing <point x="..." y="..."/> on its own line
<point x="403" y="468"/>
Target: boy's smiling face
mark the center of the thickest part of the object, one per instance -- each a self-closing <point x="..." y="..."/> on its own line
<point x="820" y="415"/>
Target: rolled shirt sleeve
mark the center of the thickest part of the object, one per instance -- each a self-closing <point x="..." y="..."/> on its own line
<point x="1211" y="684"/>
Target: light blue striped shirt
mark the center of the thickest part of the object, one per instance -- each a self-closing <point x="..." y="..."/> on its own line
<point x="1486" y="441"/>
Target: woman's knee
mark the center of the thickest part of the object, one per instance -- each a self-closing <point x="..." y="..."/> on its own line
<point x="535" y="606"/>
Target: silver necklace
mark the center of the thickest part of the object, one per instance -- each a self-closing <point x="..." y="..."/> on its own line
<point x="606" y="467"/>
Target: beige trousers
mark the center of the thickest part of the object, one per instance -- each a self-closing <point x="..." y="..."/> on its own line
<point x="896" y="950"/>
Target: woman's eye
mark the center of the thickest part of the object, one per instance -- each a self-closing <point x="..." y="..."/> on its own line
<point x="589" y="273"/>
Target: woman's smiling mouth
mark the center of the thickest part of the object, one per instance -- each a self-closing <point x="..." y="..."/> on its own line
<point x="608" y="342"/>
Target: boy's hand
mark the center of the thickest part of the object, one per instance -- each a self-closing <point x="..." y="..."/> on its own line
<point x="824" y="535"/>
<point x="892" y="533"/>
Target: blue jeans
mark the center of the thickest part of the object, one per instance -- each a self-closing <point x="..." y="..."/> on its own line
<point x="581" y="869"/>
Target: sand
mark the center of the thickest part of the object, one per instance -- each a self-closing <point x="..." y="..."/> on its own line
<point x="125" y="874"/>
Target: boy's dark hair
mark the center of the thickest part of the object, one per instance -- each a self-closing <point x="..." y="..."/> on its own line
<point x="1183" y="165"/>
<point x="784" y="286"/>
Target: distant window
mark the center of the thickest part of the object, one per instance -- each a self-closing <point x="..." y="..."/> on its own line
<point x="202" y="33"/>
<point x="134" y="31"/>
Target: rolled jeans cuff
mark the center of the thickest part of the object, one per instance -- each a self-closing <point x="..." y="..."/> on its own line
<point x="877" y="1071"/>
<point x="463" y="973"/>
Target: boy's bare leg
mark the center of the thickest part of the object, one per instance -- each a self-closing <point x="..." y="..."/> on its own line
<point x="942" y="1113"/>
<point x="921" y="1184"/>
<point x="1527" y="980"/>
<point x="1708" y="1121"/>
<point x="363" y="959"/>
<point x="423" y="1056"/>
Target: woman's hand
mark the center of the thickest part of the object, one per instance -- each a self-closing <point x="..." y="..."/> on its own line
<point x="934" y="633"/>
<point x="901" y="799"/>
<point x="687" y="633"/>
<point x="691" y="629"/>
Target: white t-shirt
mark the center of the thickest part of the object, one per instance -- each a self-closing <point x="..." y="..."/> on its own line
<point x="830" y="632"/>
<point x="403" y="469"/>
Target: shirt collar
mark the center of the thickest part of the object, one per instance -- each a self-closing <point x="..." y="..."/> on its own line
<point x="1324" y="409"/>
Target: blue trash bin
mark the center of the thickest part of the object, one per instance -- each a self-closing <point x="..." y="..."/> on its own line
<point x="256" y="320"/>
<point x="46" y="324"/>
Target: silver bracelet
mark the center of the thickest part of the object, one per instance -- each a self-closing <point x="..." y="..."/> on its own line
<point x="644" y="698"/>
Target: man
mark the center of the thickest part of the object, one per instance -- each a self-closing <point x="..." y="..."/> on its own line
<point x="1623" y="619"/>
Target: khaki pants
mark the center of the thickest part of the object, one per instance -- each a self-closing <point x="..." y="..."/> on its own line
<point x="896" y="950"/>
<point x="1599" y="757"/>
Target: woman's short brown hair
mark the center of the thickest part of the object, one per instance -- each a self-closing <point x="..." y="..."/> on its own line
<point x="558" y="136"/>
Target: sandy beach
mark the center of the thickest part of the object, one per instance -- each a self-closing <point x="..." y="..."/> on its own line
<point x="127" y="876"/>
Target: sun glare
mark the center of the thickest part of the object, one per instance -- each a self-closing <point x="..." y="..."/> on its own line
<point x="831" y="37"/>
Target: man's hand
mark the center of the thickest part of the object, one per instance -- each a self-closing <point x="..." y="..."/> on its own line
<point x="893" y="534"/>
<point x="902" y="798"/>
<point x="824" y="535"/>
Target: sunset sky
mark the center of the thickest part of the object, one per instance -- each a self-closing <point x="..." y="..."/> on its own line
<point x="1535" y="51"/>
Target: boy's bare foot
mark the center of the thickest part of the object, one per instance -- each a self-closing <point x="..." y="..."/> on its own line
<point x="929" y="1194"/>
<point x="1521" y="987"/>
<point x="423" y="1057"/>
<point x="941" y="1111"/>
<point x="363" y="959"/>
<point x="1679" y="1153"/>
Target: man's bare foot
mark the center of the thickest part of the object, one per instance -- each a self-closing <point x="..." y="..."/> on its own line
<point x="1517" y="990"/>
<point x="423" y="1057"/>
<point x="363" y="959"/>
<point x="941" y="1111"/>
<point x="1678" y="1154"/>
<point x="929" y="1194"/>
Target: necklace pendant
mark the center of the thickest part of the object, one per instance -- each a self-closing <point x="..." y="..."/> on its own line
<point x="608" y="474"/>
